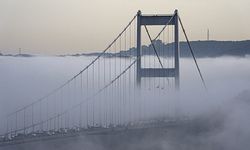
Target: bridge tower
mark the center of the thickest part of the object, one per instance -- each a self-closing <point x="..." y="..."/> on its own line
<point x="153" y="20"/>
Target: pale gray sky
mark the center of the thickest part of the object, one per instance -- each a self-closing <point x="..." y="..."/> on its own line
<point x="71" y="26"/>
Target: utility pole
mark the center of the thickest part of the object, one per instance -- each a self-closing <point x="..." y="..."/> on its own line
<point x="208" y="34"/>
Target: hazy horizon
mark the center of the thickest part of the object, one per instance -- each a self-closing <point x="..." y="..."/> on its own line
<point x="61" y="27"/>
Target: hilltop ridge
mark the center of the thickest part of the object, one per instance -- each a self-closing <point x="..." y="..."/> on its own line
<point x="201" y="49"/>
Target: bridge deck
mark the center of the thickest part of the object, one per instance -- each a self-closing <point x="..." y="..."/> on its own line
<point x="92" y="131"/>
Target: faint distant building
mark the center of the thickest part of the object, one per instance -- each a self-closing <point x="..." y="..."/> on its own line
<point x="20" y="51"/>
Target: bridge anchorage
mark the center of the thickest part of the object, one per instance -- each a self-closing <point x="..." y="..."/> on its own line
<point x="103" y="97"/>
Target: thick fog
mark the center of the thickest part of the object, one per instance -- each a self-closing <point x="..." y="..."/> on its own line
<point x="222" y="110"/>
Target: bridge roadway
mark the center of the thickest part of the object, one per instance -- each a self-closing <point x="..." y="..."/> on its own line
<point x="71" y="133"/>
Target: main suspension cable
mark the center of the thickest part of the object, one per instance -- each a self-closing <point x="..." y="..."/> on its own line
<point x="71" y="79"/>
<point x="192" y="53"/>
<point x="153" y="46"/>
<point x="153" y="40"/>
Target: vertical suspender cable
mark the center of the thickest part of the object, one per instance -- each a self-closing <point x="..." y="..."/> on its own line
<point x="93" y="106"/>
<point x="47" y="113"/>
<point x="16" y="123"/>
<point x="80" y="115"/>
<point x="87" y="109"/>
<point x="24" y="118"/>
<point x="129" y="82"/>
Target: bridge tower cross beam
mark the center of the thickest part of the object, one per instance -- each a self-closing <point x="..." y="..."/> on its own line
<point x="153" y="20"/>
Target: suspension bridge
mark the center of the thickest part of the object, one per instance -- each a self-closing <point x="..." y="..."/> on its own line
<point x="126" y="87"/>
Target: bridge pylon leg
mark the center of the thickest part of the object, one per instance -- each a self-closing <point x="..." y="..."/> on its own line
<point x="138" y="64"/>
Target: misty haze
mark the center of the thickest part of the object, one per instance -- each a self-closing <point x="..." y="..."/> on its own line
<point x="220" y="115"/>
<point x="124" y="75"/>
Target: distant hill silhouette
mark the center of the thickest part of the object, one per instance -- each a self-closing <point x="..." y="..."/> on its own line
<point x="217" y="48"/>
<point x="201" y="49"/>
<point x="17" y="55"/>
